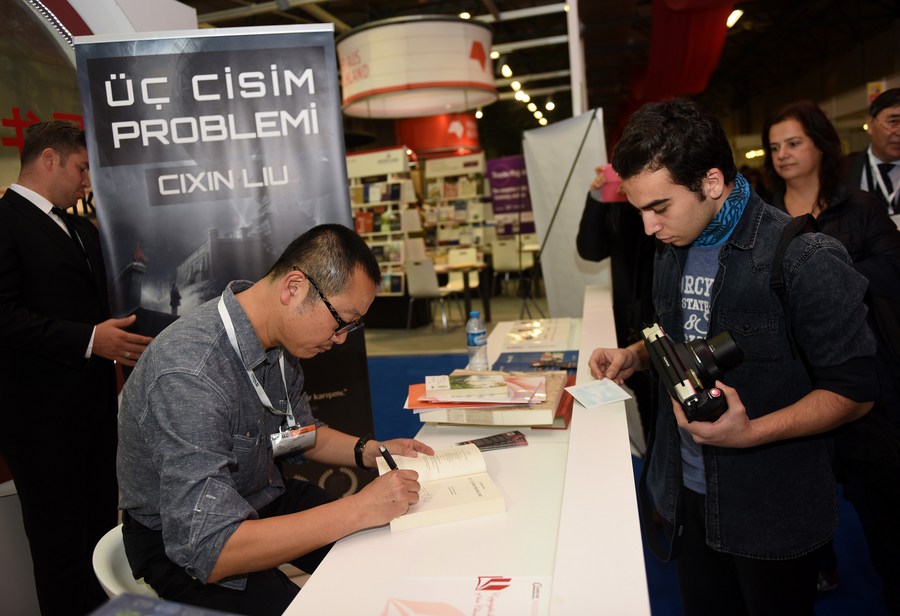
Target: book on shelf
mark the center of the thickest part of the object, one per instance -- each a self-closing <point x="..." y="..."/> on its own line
<point x="454" y="484"/>
<point x="473" y="384"/>
<point x="538" y="414"/>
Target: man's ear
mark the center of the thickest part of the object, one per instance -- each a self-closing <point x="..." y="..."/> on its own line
<point x="292" y="286"/>
<point x="714" y="184"/>
<point x="48" y="158"/>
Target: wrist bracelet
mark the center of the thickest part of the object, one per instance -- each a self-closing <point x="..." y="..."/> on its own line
<point x="359" y="448"/>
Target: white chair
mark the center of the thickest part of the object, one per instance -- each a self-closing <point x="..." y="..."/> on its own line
<point x="415" y="249"/>
<point x="422" y="283"/>
<point x="507" y="257"/>
<point x="112" y="569"/>
<point x="455" y="256"/>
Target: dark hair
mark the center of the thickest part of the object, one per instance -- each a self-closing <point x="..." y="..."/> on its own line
<point x="328" y="254"/>
<point x="817" y="127"/>
<point x="678" y="135"/>
<point x="888" y="98"/>
<point x="64" y="137"/>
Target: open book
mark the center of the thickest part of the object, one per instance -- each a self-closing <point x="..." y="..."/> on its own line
<point x="455" y="486"/>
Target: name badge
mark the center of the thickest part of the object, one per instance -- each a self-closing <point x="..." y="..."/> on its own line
<point x="293" y="439"/>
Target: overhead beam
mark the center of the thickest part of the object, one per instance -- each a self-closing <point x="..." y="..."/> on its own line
<point x="505" y="96"/>
<point x="523" y="79"/>
<point x="502" y="48"/>
<point x="535" y="11"/>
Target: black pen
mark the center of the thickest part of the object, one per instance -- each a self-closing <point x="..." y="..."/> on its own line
<point x="387" y="457"/>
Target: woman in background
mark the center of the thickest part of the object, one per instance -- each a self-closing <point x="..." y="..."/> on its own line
<point x="803" y="160"/>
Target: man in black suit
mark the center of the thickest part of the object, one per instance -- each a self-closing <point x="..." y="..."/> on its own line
<point x="57" y="377"/>
<point x="877" y="169"/>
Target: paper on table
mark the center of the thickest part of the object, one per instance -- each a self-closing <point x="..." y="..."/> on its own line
<point x="596" y="393"/>
<point x="488" y="595"/>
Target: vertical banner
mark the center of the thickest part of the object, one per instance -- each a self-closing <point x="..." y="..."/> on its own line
<point x="210" y="151"/>
<point x="561" y="160"/>
<point x="509" y="195"/>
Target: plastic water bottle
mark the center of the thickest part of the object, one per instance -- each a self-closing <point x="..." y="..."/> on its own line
<point x="476" y="342"/>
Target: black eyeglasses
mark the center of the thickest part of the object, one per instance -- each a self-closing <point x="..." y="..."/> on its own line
<point x="343" y="327"/>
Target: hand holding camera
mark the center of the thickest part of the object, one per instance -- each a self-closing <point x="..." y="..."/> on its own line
<point x="689" y="370"/>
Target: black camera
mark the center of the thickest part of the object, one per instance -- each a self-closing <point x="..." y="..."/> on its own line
<point x="689" y="370"/>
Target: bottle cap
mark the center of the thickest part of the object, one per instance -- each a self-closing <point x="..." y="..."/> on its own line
<point x="474" y="314"/>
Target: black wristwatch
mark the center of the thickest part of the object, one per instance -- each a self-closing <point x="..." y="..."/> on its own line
<point x="359" y="448"/>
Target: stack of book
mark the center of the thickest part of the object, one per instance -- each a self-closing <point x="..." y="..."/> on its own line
<point x="491" y="398"/>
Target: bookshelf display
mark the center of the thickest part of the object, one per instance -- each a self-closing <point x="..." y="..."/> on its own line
<point x="381" y="195"/>
<point x="457" y="198"/>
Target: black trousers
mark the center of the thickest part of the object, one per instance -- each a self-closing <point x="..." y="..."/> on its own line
<point x="713" y="583"/>
<point x="68" y="492"/>
<point x="267" y="592"/>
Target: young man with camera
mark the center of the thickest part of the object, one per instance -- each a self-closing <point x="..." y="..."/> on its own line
<point x="748" y="496"/>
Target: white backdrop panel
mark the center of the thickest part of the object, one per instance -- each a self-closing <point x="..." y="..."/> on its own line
<point x="560" y="160"/>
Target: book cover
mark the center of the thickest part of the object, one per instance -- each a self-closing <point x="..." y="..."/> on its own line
<point x="519" y="390"/>
<point x="474" y="384"/>
<point x="539" y="414"/>
<point x="454" y="484"/>
<point x="498" y="441"/>
<point x="537" y="361"/>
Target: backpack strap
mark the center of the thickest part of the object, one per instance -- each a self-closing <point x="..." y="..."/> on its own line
<point x="797" y="226"/>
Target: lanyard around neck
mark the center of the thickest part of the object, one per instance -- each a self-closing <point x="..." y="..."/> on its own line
<point x="260" y="392"/>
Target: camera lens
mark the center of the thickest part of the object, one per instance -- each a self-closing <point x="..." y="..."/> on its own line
<point x="714" y="357"/>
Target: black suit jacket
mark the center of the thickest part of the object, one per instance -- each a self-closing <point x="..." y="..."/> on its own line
<point x="51" y="298"/>
<point x="858" y="167"/>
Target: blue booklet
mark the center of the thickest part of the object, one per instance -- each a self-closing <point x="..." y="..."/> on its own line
<point x="537" y="361"/>
<point x="135" y="605"/>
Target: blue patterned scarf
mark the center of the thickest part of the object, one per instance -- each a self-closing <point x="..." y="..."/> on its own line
<point x="726" y="220"/>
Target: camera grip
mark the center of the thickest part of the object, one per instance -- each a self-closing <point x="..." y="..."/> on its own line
<point x="708" y="405"/>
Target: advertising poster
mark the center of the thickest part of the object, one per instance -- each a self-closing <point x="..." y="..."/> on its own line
<point x="210" y="150"/>
<point x="509" y="193"/>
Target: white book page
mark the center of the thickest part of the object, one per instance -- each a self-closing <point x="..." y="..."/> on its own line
<point x="453" y="462"/>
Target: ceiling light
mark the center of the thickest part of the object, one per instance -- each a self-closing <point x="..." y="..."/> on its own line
<point x="532" y="107"/>
<point x="538" y="115"/>
<point x="495" y="55"/>
<point x="506" y="71"/>
<point x="733" y="18"/>
<point x="543" y="121"/>
<point x="755" y="153"/>
<point x="479" y="114"/>
<point x="516" y="86"/>
<point x="520" y="95"/>
<point x="465" y="15"/>
<point x="566" y="7"/>
<point x="525" y="97"/>
<point x="866" y="126"/>
<point x="549" y="105"/>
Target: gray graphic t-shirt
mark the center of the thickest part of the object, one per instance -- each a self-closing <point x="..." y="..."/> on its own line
<point x="696" y="284"/>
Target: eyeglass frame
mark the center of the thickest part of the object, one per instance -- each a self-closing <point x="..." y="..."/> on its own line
<point x="343" y="326"/>
<point x="883" y="124"/>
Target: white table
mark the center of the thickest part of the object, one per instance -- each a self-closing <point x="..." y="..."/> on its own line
<point x="571" y="524"/>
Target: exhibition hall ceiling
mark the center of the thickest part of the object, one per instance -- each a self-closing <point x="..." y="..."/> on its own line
<point x="774" y="45"/>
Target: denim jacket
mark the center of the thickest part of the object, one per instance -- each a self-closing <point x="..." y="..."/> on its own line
<point x="774" y="501"/>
